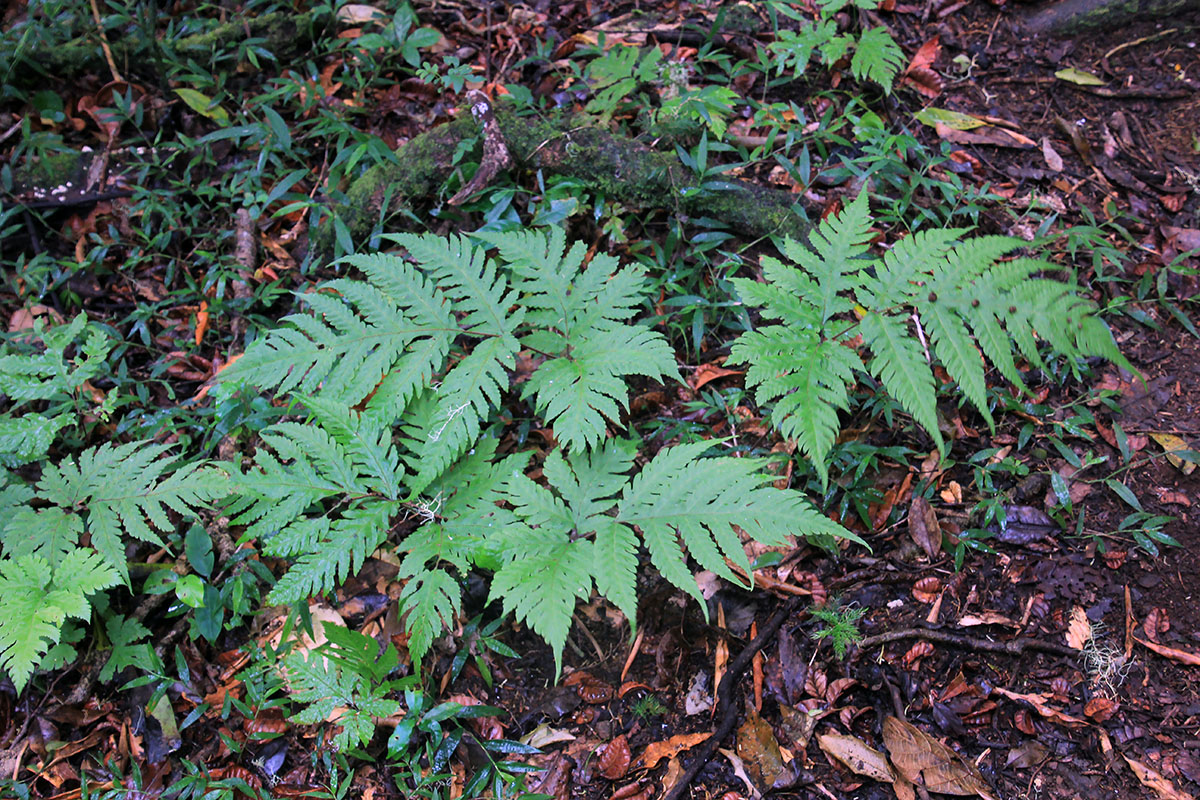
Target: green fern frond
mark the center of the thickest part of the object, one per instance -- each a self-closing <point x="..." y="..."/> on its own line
<point x="35" y="600"/>
<point x="931" y="297"/>
<point x="877" y="57"/>
<point x="338" y="554"/>
<point x="128" y="490"/>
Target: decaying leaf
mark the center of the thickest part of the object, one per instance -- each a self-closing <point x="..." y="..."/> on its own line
<point x="1025" y="524"/>
<point x="669" y="748"/>
<point x="1038" y="703"/>
<point x="923" y="526"/>
<point x="1101" y="709"/>
<point x="614" y="759"/>
<point x="1029" y="754"/>
<point x="710" y="372"/>
<point x="859" y="757"/>
<point x="1179" y="454"/>
<point x="1153" y="779"/>
<point x="927" y="762"/>
<point x="1157" y="621"/>
<point x="1053" y="159"/>
<point x="1079" y="630"/>
<point x="759" y="751"/>
<point x="986" y="134"/>
<point x="798" y="724"/>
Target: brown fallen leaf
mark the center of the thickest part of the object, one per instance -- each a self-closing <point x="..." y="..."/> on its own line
<point x="1101" y="709"/>
<point x="1079" y="629"/>
<point x="986" y="134"/>
<point x="615" y="758"/>
<point x="1038" y="702"/>
<point x="1053" y="159"/>
<point x="1182" y="656"/>
<point x="927" y="762"/>
<point x="1152" y="779"/>
<point x="669" y="748"/>
<point x="923" y="526"/>
<point x="759" y="751"/>
<point x="859" y="757"/>
<point x="1156" y="622"/>
<point x="709" y="372"/>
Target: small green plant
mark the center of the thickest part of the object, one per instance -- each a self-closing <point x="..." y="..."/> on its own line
<point x="876" y="56"/>
<point x="840" y="626"/>
<point x="647" y="707"/>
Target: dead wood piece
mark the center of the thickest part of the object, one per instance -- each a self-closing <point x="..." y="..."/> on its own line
<point x="1073" y="16"/>
<point x="1012" y="647"/>
<point x="621" y="168"/>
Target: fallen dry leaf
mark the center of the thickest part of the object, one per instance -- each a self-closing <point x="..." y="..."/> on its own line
<point x="1079" y="630"/>
<point x="615" y="758"/>
<point x="1038" y="703"/>
<point x="987" y="618"/>
<point x="859" y="757"/>
<point x="923" y="526"/>
<point x="1101" y="709"/>
<point x="1053" y="159"/>
<point x="1173" y="444"/>
<point x="927" y="762"/>
<point x="709" y="372"/>
<point x="759" y="751"/>
<point x="986" y="134"/>
<point x="1156" y="622"/>
<point x="669" y="748"/>
<point x="1152" y="779"/>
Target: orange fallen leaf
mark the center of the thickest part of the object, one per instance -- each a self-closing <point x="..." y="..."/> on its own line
<point x="1038" y="702"/>
<point x="706" y="373"/>
<point x="1152" y="779"/>
<point x="669" y="748"/>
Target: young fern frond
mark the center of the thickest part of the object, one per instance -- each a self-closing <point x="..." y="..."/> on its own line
<point x="932" y="298"/>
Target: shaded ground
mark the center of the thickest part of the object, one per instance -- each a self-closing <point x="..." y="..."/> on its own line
<point x="1048" y="721"/>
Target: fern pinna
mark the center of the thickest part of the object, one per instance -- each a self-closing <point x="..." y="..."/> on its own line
<point x="401" y="374"/>
<point x="932" y="295"/>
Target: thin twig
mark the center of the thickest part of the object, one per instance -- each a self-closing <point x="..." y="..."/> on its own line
<point x="108" y="56"/>
<point x="1013" y="647"/>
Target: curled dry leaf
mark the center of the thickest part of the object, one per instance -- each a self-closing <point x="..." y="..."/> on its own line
<point x="859" y="757"/>
<point x="923" y="526"/>
<point x="916" y="653"/>
<point x="706" y="373"/>
<point x="1101" y="709"/>
<point x="1053" y="159"/>
<point x="1156" y="622"/>
<point x="1079" y="630"/>
<point x="797" y="725"/>
<point x="632" y="791"/>
<point x="669" y="748"/>
<point x="927" y="762"/>
<point x="615" y="759"/>
<point x="1038" y="702"/>
<point x="836" y="688"/>
<point x="926" y="590"/>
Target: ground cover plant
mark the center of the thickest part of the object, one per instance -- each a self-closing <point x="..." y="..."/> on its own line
<point x="388" y="412"/>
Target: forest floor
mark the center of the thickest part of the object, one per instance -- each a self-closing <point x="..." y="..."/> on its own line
<point x="1060" y="656"/>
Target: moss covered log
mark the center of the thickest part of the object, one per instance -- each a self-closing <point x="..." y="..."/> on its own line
<point x="1073" y="16"/>
<point x="618" y="167"/>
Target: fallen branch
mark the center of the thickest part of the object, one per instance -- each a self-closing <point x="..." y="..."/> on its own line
<point x="1013" y="647"/>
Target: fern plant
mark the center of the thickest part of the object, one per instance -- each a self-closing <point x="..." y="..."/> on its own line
<point x="874" y="55"/>
<point x="401" y="375"/>
<point x="932" y="296"/>
<point x="110" y="493"/>
<point x="36" y="370"/>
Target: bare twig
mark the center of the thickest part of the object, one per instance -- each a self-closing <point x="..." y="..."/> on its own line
<point x="1012" y="647"/>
